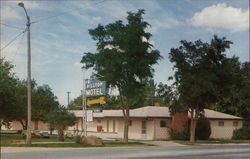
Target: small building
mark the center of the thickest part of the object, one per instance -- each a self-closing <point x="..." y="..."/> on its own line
<point x="155" y="122"/>
<point x="146" y="123"/>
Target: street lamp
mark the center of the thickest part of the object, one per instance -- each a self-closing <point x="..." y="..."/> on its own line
<point x="28" y="137"/>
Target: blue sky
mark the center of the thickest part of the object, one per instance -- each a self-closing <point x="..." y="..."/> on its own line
<point x="58" y="43"/>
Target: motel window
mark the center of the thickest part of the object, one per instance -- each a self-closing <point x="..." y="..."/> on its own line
<point x="235" y="123"/>
<point x="163" y="123"/>
<point x="130" y="123"/>
<point x="99" y="121"/>
<point x="221" y="123"/>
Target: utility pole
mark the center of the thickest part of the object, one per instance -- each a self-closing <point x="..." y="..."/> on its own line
<point x="84" y="108"/>
<point x="28" y="136"/>
<point x="68" y="98"/>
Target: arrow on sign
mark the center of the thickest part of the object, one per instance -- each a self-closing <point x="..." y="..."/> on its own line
<point x="100" y="100"/>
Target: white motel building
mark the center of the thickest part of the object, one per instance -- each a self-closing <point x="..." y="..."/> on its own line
<point x="146" y="123"/>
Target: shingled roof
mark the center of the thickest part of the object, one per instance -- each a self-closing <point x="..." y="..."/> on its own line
<point x="154" y="112"/>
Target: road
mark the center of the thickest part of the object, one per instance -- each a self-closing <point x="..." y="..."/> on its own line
<point x="150" y="152"/>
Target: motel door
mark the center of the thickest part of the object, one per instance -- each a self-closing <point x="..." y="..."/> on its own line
<point x="144" y="129"/>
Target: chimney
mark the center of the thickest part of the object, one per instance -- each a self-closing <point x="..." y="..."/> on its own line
<point x="157" y="104"/>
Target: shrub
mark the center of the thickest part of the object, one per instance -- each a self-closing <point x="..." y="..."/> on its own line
<point x="179" y="136"/>
<point x="203" y="129"/>
<point x="78" y="139"/>
<point x="242" y="133"/>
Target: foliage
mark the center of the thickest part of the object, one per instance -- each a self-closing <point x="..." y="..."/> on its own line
<point x="43" y="102"/>
<point x="78" y="139"/>
<point x="166" y="93"/>
<point x="60" y="119"/>
<point x="124" y="59"/>
<point x="76" y="104"/>
<point x="179" y="136"/>
<point x="242" y="133"/>
<point x="8" y="83"/>
<point x="237" y="100"/>
<point x="203" y="128"/>
<point x="202" y="74"/>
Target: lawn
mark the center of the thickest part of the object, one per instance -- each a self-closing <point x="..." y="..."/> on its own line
<point x="6" y="141"/>
<point x="201" y="142"/>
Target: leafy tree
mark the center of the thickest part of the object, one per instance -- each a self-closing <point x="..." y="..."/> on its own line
<point x="20" y="110"/>
<point x="8" y="83"/>
<point x="124" y="59"/>
<point x="243" y="104"/>
<point x="203" y="128"/>
<point x="237" y="100"/>
<point x="166" y="93"/>
<point x="60" y="119"/>
<point x="76" y="103"/>
<point x="112" y="102"/>
<point x="202" y="75"/>
<point x="43" y="101"/>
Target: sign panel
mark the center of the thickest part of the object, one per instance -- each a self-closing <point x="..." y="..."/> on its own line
<point x="96" y="88"/>
<point x="100" y="100"/>
<point x="97" y="110"/>
<point x="89" y="115"/>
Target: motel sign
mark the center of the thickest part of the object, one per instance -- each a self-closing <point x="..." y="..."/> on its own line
<point x="96" y="88"/>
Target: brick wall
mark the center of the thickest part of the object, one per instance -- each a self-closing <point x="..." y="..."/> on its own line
<point x="180" y="122"/>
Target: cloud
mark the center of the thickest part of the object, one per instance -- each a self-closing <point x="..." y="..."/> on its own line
<point x="9" y="13"/>
<point x="221" y="16"/>
<point x="161" y="23"/>
<point x="78" y="64"/>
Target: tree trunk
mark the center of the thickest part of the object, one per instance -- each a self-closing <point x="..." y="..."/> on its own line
<point x="192" y="126"/>
<point x="24" y="124"/>
<point x="126" y="125"/>
<point x="60" y="135"/>
<point x="194" y="118"/>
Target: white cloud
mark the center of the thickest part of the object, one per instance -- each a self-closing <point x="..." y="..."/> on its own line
<point x="8" y="13"/>
<point x="223" y="17"/>
<point x="78" y="64"/>
<point x="161" y="23"/>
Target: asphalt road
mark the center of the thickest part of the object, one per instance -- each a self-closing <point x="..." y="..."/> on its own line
<point x="151" y="152"/>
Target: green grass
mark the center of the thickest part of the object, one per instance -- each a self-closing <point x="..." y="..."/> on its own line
<point x="200" y="142"/>
<point x="6" y="141"/>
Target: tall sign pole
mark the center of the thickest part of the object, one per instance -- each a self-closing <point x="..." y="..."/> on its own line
<point x="28" y="136"/>
<point x="84" y="108"/>
<point x="68" y="97"/>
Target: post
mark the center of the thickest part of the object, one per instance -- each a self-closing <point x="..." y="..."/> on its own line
<point x="28" y="139"/>
<point x="84" y="108"/>
<point x="68" y="98"/>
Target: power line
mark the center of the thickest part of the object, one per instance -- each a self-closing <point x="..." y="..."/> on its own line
<point x="57" y="15"/>
<point x="13" y="40"/>
<point x="12" y="26"/>
<point x="18" y="46"/>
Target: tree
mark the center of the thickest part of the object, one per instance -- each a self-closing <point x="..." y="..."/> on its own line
<point x="202" y="75"/>
<point x="43" y="102"/>
<point x="203" y="128"/>
<point x="166" y="93"/>
<point x="237" y="100"/>
<point x="124" y="59"/>
<point x="76" y="104"/>
<point x="60" y="119"/>
<point x="8" y="83"/>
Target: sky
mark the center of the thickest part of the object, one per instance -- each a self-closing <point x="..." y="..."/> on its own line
<point x="59" y="34"/>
